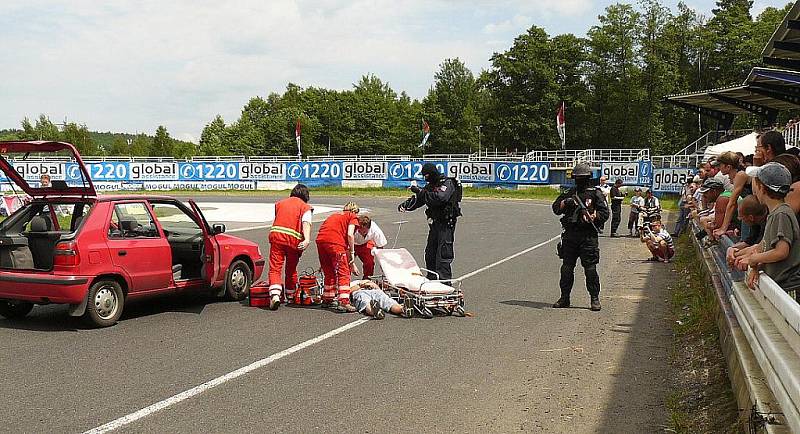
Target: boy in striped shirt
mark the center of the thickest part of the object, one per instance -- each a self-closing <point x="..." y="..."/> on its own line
<point x="659" y="242"/>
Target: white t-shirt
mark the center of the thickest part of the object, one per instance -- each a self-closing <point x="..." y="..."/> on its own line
<point x="374" y="234"/>
<point x="725" y="180"/>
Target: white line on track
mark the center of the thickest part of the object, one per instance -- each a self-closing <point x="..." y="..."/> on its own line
<point x="118" y="423"/>
<point x="194" y="391"/>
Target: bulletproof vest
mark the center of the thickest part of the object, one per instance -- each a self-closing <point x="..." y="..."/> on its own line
<point x="452" y="209"/>
<point x="572" y="216"/>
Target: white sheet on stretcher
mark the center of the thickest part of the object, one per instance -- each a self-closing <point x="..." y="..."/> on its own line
<point x="401" y="270"/>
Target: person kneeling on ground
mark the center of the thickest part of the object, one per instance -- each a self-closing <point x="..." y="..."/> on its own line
<point x="368" y="237"/>
<point x="659" y="242"/>
<point x="779" y="252"/>
<point x="368" y="298"/>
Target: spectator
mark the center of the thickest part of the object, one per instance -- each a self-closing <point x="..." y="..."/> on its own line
<point x="604" y="188"/>
<point x="729" y="167"/>
<point x="716" y="172"/>
<point x="793" y="164"/>
<point x="740" y="157"/>
<point x="651" y="209"/>
<point x="659" y="242"/>
<point x="748" y="160"/>
<point x="637" y="202"/>
<point x="44" y="181"/>
<point x="779" y="252"/>
<point x="710" y="190"/>
<point x="616" y="206"/>
<point x="684" y="205"/>
<point x="752" y="213"/>
<point x="768" y="146"/>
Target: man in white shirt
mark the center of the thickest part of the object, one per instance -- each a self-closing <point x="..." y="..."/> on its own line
<point x="604" y="188"/>
<point x="368" y="236"/>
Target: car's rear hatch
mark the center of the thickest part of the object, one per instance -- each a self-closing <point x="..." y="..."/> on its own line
<point x="24" y="163"/>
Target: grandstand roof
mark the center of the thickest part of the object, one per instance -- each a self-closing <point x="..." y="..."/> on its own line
<point x="783" y="48"/>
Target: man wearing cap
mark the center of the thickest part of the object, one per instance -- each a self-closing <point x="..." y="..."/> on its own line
<point x="616" y="206"/>
<point x="716" y="173"/>
<point x="778" y="254"/>
<point x="711" y="191"/>
<point x="442" y="196"/>
<point x="583" y="208"/>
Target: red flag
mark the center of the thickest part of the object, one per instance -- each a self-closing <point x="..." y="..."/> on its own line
<point x="297" y="130"/>
<point x="426" y="132"/>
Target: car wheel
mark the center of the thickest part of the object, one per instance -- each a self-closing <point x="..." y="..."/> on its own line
<point x="13" y="309"/>
<point x="104" y="306"/>
<point x="237" y="284"/>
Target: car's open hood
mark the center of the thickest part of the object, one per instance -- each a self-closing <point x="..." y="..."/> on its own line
<point x="23" y="162"/>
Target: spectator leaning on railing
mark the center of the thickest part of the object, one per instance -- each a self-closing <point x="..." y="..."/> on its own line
<point x="729" y="167"/>
<point x="711" y="190"/>
<point x="754" y="214"/>
<point x="792" y="163"/>
<point x="779" y="252"/>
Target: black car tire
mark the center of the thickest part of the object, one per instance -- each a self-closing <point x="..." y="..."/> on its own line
<point x="104" y="304"/>
<point x="238" y="281"/>
<point x="14" y="309"/>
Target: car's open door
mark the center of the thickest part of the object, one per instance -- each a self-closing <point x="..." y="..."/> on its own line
<point x="211" y="253"/>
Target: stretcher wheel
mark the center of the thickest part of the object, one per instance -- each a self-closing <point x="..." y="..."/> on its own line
<point x="424" y="312"/>
<point x="459" y="310"/>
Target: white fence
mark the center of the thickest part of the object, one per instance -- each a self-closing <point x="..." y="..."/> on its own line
<point x="769" y="319"/>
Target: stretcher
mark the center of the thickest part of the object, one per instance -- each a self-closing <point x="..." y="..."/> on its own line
<point x="407" y="283"/>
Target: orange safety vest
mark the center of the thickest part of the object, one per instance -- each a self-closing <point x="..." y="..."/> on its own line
<point x="287" y="228"/>
<point x="334" y="228"/>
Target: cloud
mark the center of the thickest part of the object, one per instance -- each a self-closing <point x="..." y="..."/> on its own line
<point x="131" y="66"/>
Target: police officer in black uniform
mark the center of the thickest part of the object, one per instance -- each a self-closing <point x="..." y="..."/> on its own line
<point x="442" y="196"/>
<point x="579" y="235"/>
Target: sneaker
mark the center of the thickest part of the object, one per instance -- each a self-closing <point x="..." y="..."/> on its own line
<point x="275" y="302"/>
<point x="653" y="259"/>
<point x="561" y="303"/>
<point x="377" y="312"/>
<point x="344" y="308"/>
<point x="595" y="304"/>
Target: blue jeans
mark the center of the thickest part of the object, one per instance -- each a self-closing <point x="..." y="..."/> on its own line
<point x="680" y="225"/>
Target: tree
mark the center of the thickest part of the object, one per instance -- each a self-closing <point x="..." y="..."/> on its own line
<point x="451" y="104"/>
<point x="162" y="143"/>
<point x="212" y="139"/>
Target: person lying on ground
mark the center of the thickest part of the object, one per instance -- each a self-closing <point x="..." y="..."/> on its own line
<point x="368" y="298"/>
<point x="779" y="255"/>
<point x="659" y="242"/>
<point x="753" y="215"/>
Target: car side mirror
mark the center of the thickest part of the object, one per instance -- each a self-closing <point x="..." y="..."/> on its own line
<point x="217" y="228"/>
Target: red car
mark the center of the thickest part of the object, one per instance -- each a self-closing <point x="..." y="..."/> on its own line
<point x="72" y="246"/>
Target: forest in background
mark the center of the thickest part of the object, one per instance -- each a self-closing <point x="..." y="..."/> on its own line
<point x="612" y="81"/>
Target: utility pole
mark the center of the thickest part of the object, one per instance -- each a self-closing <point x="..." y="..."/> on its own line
<point x="479" y="138"/>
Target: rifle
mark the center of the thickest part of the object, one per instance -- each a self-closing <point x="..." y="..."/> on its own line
<point x="584" y="211"/>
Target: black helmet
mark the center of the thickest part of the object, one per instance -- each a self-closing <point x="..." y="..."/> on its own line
<point x="581" y="169"/>
<point x="430" y="172"/>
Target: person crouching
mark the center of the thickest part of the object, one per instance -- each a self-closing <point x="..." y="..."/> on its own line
<point x="289" y="236"/>
<point x="659" y="242"/>
<point x="335" y="246"/>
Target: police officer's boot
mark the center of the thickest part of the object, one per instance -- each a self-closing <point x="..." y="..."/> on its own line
<point x="562" y="302"/>
<point x="595" y="303"/>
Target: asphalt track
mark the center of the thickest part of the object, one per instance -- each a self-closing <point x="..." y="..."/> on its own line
<point x="514" y="365"/>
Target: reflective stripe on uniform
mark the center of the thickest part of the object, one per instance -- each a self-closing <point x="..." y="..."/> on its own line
<point x="287" y="231"/>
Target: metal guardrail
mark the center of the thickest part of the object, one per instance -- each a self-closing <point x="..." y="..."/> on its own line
<point x="770" y="320"/>
<point x="567" y="159"/>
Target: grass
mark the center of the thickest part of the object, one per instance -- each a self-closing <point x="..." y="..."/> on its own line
<point x="702" y="400"/>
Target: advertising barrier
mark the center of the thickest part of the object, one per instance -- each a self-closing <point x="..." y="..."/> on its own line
<point x="671" y="180"/>
<point x="168" y="175"/>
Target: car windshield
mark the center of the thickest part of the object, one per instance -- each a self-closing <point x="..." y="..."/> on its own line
<point x="48" y="170"/>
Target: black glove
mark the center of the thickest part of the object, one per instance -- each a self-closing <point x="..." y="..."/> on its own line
<point x="415" y="189"/>
<point x="568" y="202"/>
<point x="401" y="208"/>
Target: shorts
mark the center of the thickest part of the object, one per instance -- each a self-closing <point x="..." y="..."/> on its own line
<point x="362" y="297"/>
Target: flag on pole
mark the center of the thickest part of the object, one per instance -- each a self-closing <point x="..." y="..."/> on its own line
<point x="560" y="124"/>
<point x="297" y="137"/>
<point x="426" y="132"/>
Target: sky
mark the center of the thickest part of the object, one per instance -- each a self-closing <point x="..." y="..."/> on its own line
<point x="126" y="66"/>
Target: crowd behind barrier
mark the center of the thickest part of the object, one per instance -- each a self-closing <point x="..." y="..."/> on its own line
<point x="769" y="319"/>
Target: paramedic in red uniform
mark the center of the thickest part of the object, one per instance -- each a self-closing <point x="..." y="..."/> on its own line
<point x="335" y="246"/>
<point x="368" y="236"/>
<point x="289" y="235"/>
